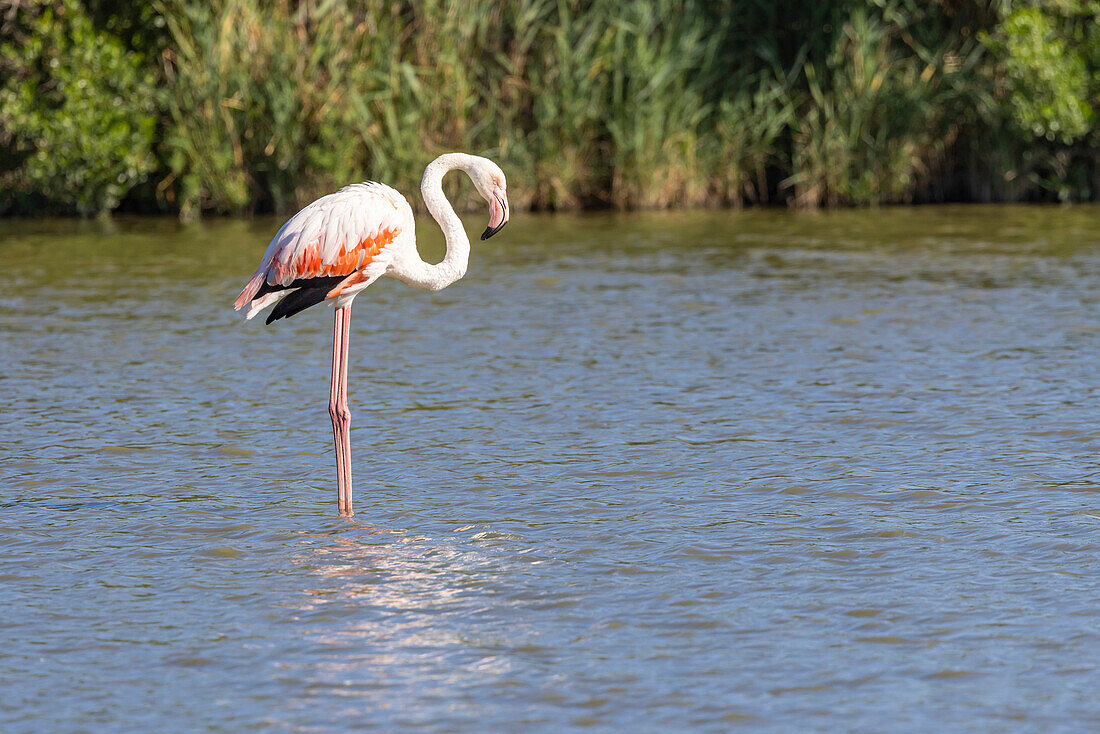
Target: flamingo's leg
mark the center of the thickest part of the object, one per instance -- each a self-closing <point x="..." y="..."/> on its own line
<point x="342" y="407"/>
<point x="332" y="402"/>
<point x="340" y="418"/>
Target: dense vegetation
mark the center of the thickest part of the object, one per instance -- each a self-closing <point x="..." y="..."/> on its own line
<point x="198" y="106"/>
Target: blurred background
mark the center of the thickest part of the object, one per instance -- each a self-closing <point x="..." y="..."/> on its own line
<point x="243" y="106"/>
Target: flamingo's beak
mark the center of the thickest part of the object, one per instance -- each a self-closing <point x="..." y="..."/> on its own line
<point x="498" y="213"/>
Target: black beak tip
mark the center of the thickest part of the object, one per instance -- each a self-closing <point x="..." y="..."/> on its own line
<point x="490" y="231"/>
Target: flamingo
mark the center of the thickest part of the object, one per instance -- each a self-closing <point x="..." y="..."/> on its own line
<point x="337" y="246"/>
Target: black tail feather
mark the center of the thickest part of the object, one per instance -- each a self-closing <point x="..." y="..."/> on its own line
<point x="325" y="281"/>
<point x="310" y="293"/>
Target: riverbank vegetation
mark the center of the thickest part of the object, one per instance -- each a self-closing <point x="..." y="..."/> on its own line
<point x="241" y="106"/>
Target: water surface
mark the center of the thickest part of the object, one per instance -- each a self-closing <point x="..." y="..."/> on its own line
<point x="786" y="472"/>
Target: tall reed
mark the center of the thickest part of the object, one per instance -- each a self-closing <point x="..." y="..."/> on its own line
<point x="266" y="104"/>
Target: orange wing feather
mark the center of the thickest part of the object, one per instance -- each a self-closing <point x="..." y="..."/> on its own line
<point x="353" y="262"/>
<point x="304" y="247"/>
<point x="308" y="264"/>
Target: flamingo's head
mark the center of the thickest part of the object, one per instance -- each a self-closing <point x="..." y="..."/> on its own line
<point x="489" y="181"/>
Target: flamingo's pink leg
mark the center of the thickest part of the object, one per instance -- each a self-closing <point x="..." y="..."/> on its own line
<point x="342" y="407"/>
<point x="334" y="391"/>
<point x="338" y="407"/>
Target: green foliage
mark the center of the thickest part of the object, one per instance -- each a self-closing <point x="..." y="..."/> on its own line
<point x="622" y="103"/>
<point x="748" y="130"/>
<point x="1046" y="78"/>
<point x="256" y="107"/>
<point x="77" y="114"/>
<point x="278" y="103"/>
<point x="565" y="81"/>
<point x="865" y="121"/>
<point x="654" y="110"/>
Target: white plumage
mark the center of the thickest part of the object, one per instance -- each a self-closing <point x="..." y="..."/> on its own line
<point x="340" y="222"/>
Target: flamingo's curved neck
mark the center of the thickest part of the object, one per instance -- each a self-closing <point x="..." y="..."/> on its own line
<point x="453" y="267"/>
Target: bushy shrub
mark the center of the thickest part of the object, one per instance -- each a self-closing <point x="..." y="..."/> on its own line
<point x="1046" y="79"/>
<point x="77" y="113"/>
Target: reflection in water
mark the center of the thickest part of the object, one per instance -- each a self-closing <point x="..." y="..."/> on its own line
<point x="656" y="472"/>
<point x="393" y="613"/>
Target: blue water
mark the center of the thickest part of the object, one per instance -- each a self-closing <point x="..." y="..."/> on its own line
<point x="755" y="470"/>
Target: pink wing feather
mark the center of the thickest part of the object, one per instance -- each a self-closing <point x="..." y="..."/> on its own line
<point x="345" y="233"/>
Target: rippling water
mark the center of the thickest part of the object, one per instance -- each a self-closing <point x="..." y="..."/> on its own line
<point x="823" y="472"/>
